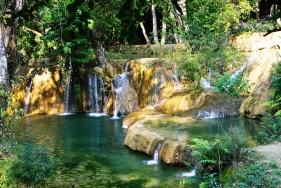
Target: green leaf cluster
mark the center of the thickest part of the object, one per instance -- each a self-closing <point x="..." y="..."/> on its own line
<point x="232" y="85"/>
<point x="271" y="128"/>
<point x="30" y="166"/>
<point x="259" y="174"/>
<point x="9" y="115"/>
<point x="274" y="104"/>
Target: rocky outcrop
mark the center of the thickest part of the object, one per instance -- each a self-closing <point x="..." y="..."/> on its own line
<point x="41" y="92"/>
<point x="181" y="102"/>
<point x="142" y="136"/>
<point x="257" y="70"/>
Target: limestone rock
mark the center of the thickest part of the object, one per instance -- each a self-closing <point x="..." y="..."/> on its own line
<point x="181" y="102"/>
<point x="99" y="70"/>
<point x="176" y="152"/>
<point x="258" y="72"/>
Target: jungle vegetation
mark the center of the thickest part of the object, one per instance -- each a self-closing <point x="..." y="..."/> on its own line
<point x="78" y="32"/>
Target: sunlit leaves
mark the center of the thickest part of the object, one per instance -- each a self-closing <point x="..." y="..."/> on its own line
<point x="232" y="85"/>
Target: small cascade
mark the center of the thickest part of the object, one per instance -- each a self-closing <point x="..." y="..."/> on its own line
<point x="155" y="91"/>
<point x="176" y="82"/>
<point x="155" y="159"/>
<point x="211" y="114"/>
<point x="206" y="83"/>
<point x="238" y="71"/>
<point x="27" y="96"/>
<point x="121" y="85"/>
<point x="190" y="173"/>
<point x="95" y="101"/>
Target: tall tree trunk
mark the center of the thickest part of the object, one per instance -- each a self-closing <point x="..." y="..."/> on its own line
<point x="3" y="60"/>
<point x="163" y="33"/>
<point x="98" y="48"/>
<point x="154" y="22"/>
<point x="144" y="33"/>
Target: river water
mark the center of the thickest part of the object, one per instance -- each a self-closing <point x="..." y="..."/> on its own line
<point x="93" y="153"/>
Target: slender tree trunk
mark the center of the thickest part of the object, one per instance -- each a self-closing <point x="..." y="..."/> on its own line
<point x="163" y="33"/>
<point x="98" y="48"/>
<point x="144" y="33"/>
<point x="180" y="16"/>
<point x="3" y="59"/>
<point x="154" y="22"/>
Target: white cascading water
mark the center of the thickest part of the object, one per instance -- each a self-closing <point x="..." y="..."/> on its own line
<point x="27" y="97"/>
<point x="95" y="94"/>
<point x="206" y="83"/>
<point x="211" y="114"/>
<point x="238" y="71"/>
<point x="176" y="82"/>
<point x="121" y="83"/>
<point x="155" y="159"/>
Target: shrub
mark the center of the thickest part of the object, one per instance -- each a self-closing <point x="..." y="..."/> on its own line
<point x="32" y="166"/>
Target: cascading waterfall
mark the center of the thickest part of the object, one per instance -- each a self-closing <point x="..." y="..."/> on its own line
<point x="238" y="71"/>
<point x="176" y="82"/>
<point x="211" y="114"/>
<point x="27" y="96"/>
<point x="155" y="91"/>
<point x="206" y="83"/>
<point x="120" y="84"/>
<point x="155" y="159"/>
<point x="95" y="93"/>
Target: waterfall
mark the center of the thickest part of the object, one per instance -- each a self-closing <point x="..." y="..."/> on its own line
<point x="238" y="71"/>
<point x="95" y="93"/>
<point x="190" y="173"/>
<point x="155" y="159"/>
<point x="206" y="83"/>
<point x="27" y="96"/>
<point x="176" y="82"/>
<point x="212" y="114"/>
<point x="120" y="85"/>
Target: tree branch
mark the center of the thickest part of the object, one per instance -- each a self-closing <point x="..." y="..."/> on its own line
<point x="33" y="31"/>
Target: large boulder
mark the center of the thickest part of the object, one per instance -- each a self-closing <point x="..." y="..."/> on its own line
<point x="181" y="102"/>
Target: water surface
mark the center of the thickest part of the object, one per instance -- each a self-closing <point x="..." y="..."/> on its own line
<point x="93" y="152"/>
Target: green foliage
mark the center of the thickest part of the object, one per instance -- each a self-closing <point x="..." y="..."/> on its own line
<point x="207" y="153"/>
<point x="29" y="167"/>
<point x="233" y="86"/>
<point x="254" y="25"/>
<point x="217" y="16"/>
<point x="274" y="104"/>
<point x="9" y="115"/>
<point x="222" y="153"/>
<point x="130" y="14"/>
<point x="258" y="175"/>
<point x="271" y="128"/>
<point x="210" y="180"/>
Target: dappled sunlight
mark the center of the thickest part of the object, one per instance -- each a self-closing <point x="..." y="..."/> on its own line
<point x="45" y="95"/>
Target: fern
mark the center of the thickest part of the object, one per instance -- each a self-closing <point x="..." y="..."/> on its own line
<point x="271" y="128"/>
